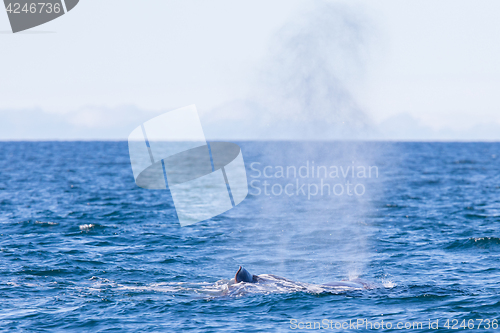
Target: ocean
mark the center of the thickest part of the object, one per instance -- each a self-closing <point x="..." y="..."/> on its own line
<point x="84" y="249"/>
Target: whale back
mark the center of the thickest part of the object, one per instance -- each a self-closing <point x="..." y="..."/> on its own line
<point x="242" y="275"/>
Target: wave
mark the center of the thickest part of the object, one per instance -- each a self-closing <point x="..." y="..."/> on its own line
<point x="91" y="227"/>
<point x="476" y="216"/>
<point x="46" y="224"/>
<point x="465" y="161"/>
<point x="475" y="242"/>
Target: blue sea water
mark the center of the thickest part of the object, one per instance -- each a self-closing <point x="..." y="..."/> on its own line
<point x="83" y="249"/>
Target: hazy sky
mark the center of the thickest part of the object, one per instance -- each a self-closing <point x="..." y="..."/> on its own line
<point x="404" y="69"/>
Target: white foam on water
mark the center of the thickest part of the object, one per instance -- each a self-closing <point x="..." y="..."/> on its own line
<point x="389" y="284"/>
<point x="86" y="227"/>
<point x="268" y="284"/>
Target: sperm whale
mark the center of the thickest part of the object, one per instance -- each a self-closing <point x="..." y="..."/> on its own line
<point x="242" y="275"/>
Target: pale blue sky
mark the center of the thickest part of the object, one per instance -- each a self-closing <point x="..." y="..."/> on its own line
<point x="422" y="69"/>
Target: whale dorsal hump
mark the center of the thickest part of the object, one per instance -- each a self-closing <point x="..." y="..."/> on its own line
<point x="242" y="275"/>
